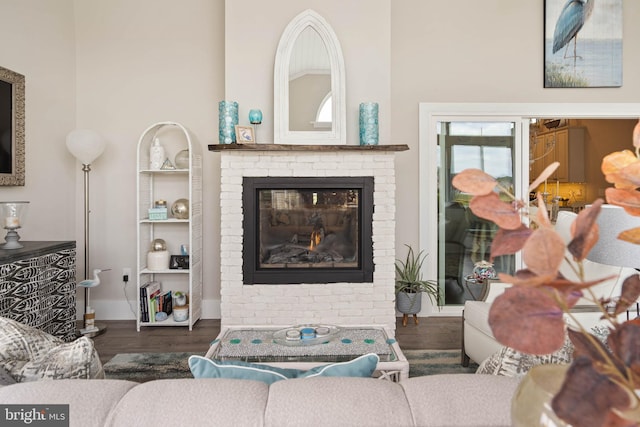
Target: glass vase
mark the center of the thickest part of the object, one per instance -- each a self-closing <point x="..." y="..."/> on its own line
<point x="369" y="123"/>
<point x="228" y="119"/>
<point x="531" y="403"/>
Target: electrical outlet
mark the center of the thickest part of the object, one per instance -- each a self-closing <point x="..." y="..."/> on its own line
<point x="126" y="274"/>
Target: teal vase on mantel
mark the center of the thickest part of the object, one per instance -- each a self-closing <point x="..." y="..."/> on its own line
<point x="369" y="123"/>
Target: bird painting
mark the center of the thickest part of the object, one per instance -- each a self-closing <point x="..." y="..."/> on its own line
<point x="571" y="20"/>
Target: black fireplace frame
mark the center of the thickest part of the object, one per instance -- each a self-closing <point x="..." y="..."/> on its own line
<point x="253" y="275"/>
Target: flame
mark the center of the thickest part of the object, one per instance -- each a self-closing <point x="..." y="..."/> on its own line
<point x="316" y="238"/>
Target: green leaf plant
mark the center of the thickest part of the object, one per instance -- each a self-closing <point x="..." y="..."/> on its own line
<point x="409" y="276"/>
<point x="600" y="386"/>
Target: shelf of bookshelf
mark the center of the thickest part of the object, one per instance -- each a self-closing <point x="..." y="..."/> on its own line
<point x="178" y="234"/>
<point x="167" y="271"/>
<point x="169" y="322"/>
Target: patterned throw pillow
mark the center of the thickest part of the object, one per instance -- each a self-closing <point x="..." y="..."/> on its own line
<point x="512" y="363"/>
<point x="29" y="354"/>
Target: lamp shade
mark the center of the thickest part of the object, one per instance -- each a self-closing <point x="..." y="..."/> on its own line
<point x="85" y="144"/>
<point x="610" y="250"/>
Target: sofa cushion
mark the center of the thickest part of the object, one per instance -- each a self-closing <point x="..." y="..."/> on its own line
<point x="332" y="401"/>
<point x="202" y="367"/>
<point x="454" y="400"/>
<point x="90" y="401"/>
<point x="29" y="354"/>
<point x="192" y="402"/>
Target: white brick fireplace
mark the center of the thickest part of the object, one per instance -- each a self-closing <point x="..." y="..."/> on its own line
<point x="288" y="304"/>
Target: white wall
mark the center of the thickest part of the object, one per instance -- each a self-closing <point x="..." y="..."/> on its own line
<point x="36" y="40"/>
<point x="138" y="63"/>
<point x="476" y="51"/>
<point x="253" y="32"/>
<point x="141" y="61"/>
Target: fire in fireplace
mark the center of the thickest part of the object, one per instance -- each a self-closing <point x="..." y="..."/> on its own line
<point x="307" y="230"/>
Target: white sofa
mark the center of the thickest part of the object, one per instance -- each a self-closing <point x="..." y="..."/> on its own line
<point x="478" y="341"/>
<point x="437" y="400"/>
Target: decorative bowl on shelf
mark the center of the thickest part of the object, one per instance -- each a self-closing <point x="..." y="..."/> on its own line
<point x="302" y="335"/>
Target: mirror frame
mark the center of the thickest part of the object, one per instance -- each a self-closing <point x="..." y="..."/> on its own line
<point x="16" y="177"/>
<point x="282" y="134"/>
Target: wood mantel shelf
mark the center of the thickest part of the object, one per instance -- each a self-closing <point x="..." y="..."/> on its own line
<point x="317" y="148"/>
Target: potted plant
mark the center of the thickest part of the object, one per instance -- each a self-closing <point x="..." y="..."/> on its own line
<point x="600" y="388"/>
<point x="410" y="286"/>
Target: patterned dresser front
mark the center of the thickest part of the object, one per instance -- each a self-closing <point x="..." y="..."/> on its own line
<point x="38" y="286"/>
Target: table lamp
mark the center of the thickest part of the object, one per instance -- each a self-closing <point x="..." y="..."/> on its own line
<point x="609" y="249"/>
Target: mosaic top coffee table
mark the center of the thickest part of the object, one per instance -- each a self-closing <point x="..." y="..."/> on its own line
<point x="260" y="344"/>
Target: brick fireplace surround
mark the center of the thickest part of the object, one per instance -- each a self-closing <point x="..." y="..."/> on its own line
<point x="329" y="303"/>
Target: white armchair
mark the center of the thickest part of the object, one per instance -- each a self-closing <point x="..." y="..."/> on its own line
<point x="478" y="342"/>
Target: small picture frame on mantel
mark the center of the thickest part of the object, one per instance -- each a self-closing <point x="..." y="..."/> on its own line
<point x="245" y="135"/>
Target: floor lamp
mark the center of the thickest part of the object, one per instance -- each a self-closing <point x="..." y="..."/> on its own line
<point x="86" y="145"/>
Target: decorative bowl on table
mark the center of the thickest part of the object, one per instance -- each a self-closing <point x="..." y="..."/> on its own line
<point x="301" y="335"/>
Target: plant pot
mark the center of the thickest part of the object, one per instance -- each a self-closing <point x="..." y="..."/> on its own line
<point x="531" y="403"/>
<point x="409" y="303"/>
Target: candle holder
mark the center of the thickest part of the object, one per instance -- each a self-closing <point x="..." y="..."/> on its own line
<point x="255" y="118"/>
<point x="13" y="215"/>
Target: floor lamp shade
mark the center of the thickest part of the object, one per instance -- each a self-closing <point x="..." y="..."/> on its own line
<point x="610" y="250"/>
<point x="86" y="145"/>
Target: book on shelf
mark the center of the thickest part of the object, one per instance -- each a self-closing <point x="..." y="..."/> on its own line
<point x="148" y="292"/>
<point x="144" y="307"/>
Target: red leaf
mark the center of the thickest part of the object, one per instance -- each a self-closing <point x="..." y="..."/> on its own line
<point x="546" y="173"/>
<point x="585" y="231"/>
<point x="544" y="252"/>
<point x="629" y="294"/>
<point x="492" y="208"/>
<point x="587" y="396"/>
<point x="632" y="236"/>
<point x="582" y="346"/>
<point x="613" y="165"/>
<point x="627" y="199"/>
<point x="474" y="181"/>
<point x="624" y="342"/>
<point x="542" y="216"/>
<point x="527" y="319"/>
<point x="507" y="242"/>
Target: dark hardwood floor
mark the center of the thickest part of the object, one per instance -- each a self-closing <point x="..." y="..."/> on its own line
<point x="437" y="333"/>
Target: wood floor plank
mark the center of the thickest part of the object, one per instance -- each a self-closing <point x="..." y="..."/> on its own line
<point x="436" y="333"/>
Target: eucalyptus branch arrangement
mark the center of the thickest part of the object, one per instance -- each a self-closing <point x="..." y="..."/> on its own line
<point x="601" y="386"/>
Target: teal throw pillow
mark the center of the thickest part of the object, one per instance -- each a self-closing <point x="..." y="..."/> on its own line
<point x="201" y="367"/>
<point x="363" y="366"/>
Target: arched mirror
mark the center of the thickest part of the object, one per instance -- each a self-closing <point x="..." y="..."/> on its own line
<point x="309" y="89"/>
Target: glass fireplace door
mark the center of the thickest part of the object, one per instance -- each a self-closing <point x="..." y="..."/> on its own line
<point x="464" y="239"/>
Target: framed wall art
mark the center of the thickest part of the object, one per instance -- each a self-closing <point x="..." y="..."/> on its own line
<point x="245" y="135"/>
<point x="582" y="43"/>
